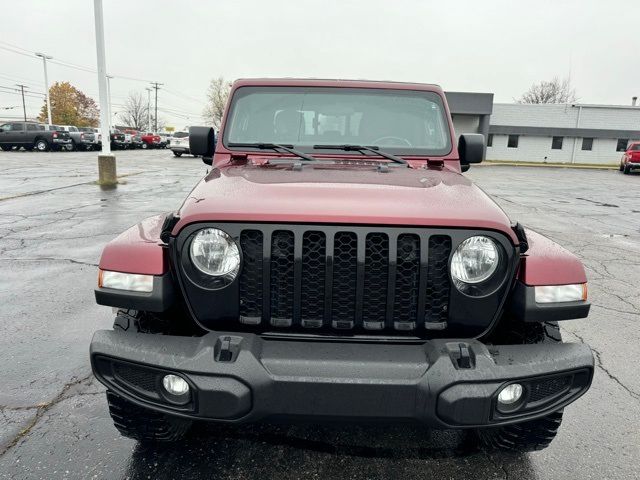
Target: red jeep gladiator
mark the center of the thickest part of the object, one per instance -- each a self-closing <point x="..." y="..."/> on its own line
<point x="631" y="158"/>
<point x="334" y="264"/>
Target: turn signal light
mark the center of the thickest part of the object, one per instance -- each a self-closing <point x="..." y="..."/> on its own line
<point x="132" y="282"/>
<point x="561" y="293"/>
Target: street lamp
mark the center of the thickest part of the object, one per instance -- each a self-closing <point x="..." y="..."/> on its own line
<point x="109" y="77"/>
<point x="46" y="82"/>
<point x="148" y="108"/>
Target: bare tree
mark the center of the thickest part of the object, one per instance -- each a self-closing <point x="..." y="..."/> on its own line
<point x="554" y="91"/>
<point x="217" y="96"/>
<point x="135" y="111"/>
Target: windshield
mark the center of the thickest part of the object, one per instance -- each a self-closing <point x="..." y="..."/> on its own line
<point x="407" y="122"/>
<point x="181" y="134"/>
<point x="635" y="146"/>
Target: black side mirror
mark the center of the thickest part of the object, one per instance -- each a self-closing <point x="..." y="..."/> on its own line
<point x="470" y="149"/>
<point x="202" y="142"/>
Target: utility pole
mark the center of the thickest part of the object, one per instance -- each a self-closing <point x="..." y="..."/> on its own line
<point x="148" y="108"/>
<point x="46" y="83"/>
<point x="24" y="109"/>
<point x="156" y="85"/>
<point x="106" y="161"/>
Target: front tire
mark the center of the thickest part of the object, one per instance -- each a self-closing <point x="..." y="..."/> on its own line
<point x="627" y="170"/>
<point x="143" y="424"/>
<point x="532" y="435"/>
<point x="145" y="146"/>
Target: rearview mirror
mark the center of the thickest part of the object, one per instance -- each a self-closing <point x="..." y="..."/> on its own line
<point x="202" y="141"/>
<point x="470" y="149"/>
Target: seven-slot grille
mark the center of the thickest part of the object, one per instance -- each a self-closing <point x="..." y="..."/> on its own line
<point x="327" y="277"/>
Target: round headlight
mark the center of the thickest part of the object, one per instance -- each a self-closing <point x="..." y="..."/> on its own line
<point x="214" y="253"/>
<point x="475" y="260"/>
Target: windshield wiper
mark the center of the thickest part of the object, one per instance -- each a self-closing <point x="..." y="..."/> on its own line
<point x="362" y="148"/>
<point x="275" y="146"/>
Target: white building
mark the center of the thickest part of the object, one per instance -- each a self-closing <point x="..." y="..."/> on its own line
<point x="576" y="133"/>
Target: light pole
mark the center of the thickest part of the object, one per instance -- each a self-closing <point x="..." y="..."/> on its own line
<point x="109" y="77"/>
<point x="148" y="108"/>
<point x="46" y="83"/>
<point x="106" y="161"/>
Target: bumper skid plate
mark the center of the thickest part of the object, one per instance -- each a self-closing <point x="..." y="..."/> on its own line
<point x="246" y="377"/>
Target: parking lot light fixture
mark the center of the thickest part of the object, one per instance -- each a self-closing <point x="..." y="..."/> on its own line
<point x="46" y="83"/>
<point x="107" y="175"/>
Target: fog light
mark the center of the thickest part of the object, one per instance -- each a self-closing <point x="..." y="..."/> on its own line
<point x="175" y="385"/>
<point x="510" y="395"/>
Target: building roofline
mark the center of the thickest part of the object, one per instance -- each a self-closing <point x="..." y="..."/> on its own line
<point x="573" y="105"/>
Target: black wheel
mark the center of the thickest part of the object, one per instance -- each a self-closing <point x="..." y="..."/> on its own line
<point x="6" y="148"/>
<point x="627" y="170"/>
<point x="143" y="424"/>
<point x="177" y="154"/>
<point x="534" y="434"/>
<point x="145" y="146"/>
<point x="42" y="145"/>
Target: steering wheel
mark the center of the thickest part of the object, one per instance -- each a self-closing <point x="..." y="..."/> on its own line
<point x="397" y="140"/>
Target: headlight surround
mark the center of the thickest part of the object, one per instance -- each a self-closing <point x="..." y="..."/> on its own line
<point x="477" y="267"/>
<point x="214" y="253"/>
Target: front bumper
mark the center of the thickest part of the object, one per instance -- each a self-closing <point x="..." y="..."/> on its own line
<point x="246" y="377"/>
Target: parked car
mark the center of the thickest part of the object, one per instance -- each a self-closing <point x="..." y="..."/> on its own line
<point x="32" y="135"/>
<point x="322" y="271"/>
<point x="164" y="140"/>
<point x="136" y="141"/>
<point x="117" y="140"/>
<point x="150" y="140"/>
<point x="180" y="143"/>
<point x="96" y="144"/>
<point x="98" y="137"/>
<point x="128" y="140"/>
<point x="631" y="158"/>
<point x="80" y="140"/>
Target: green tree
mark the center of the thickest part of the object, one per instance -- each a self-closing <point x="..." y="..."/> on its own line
<point x="69" y="106"/>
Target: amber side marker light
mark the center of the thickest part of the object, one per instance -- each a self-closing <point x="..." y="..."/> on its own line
<point x="133" y="282"/>
<point x="561" y="293"/>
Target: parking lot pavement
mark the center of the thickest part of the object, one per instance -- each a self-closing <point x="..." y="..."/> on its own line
<point x="53" y="417"/>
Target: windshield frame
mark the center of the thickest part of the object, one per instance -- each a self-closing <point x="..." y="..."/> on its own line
<point x="430" y="95"/>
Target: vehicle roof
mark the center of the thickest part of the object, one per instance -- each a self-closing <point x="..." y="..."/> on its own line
<point x="317" y="82"/>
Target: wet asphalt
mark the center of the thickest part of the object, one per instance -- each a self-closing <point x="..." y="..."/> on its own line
<point x="54" y="422"/>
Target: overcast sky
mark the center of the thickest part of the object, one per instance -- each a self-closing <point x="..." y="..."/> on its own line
<point x="485" y="46"/>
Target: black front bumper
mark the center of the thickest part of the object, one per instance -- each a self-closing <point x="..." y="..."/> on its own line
<point x="246" y="377"/>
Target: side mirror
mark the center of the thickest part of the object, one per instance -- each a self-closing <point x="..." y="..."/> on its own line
<point x="202" y="142"/>
<point x="470" y="149"/>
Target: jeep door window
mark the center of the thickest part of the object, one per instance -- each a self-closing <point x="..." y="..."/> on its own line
<point x="398" y="121"/>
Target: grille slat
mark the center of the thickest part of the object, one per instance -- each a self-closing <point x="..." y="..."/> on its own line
<point x="344" y="280"/>
<point x="251" y="277"/>
<point x="376" y="279"/>
<point x="282" y="265"/>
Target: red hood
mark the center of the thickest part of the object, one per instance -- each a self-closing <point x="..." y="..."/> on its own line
<point x="342" y="194"/>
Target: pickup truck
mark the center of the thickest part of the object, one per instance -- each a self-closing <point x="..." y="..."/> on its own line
<point x="631" y="158"/>
<point x="117" y="140"/>
<point x="32" y="135"/>
<point x="150" y="140"/>
<point x="335" y="263"/>
<point x="80" y="139"/>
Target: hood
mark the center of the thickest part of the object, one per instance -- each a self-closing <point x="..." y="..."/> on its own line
<point x="342" y="194"/>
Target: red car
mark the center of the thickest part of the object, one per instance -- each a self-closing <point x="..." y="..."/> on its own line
<point x="631" y="158"/>
<point x="150" y="140"/>
<point x="335" y="264"/>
